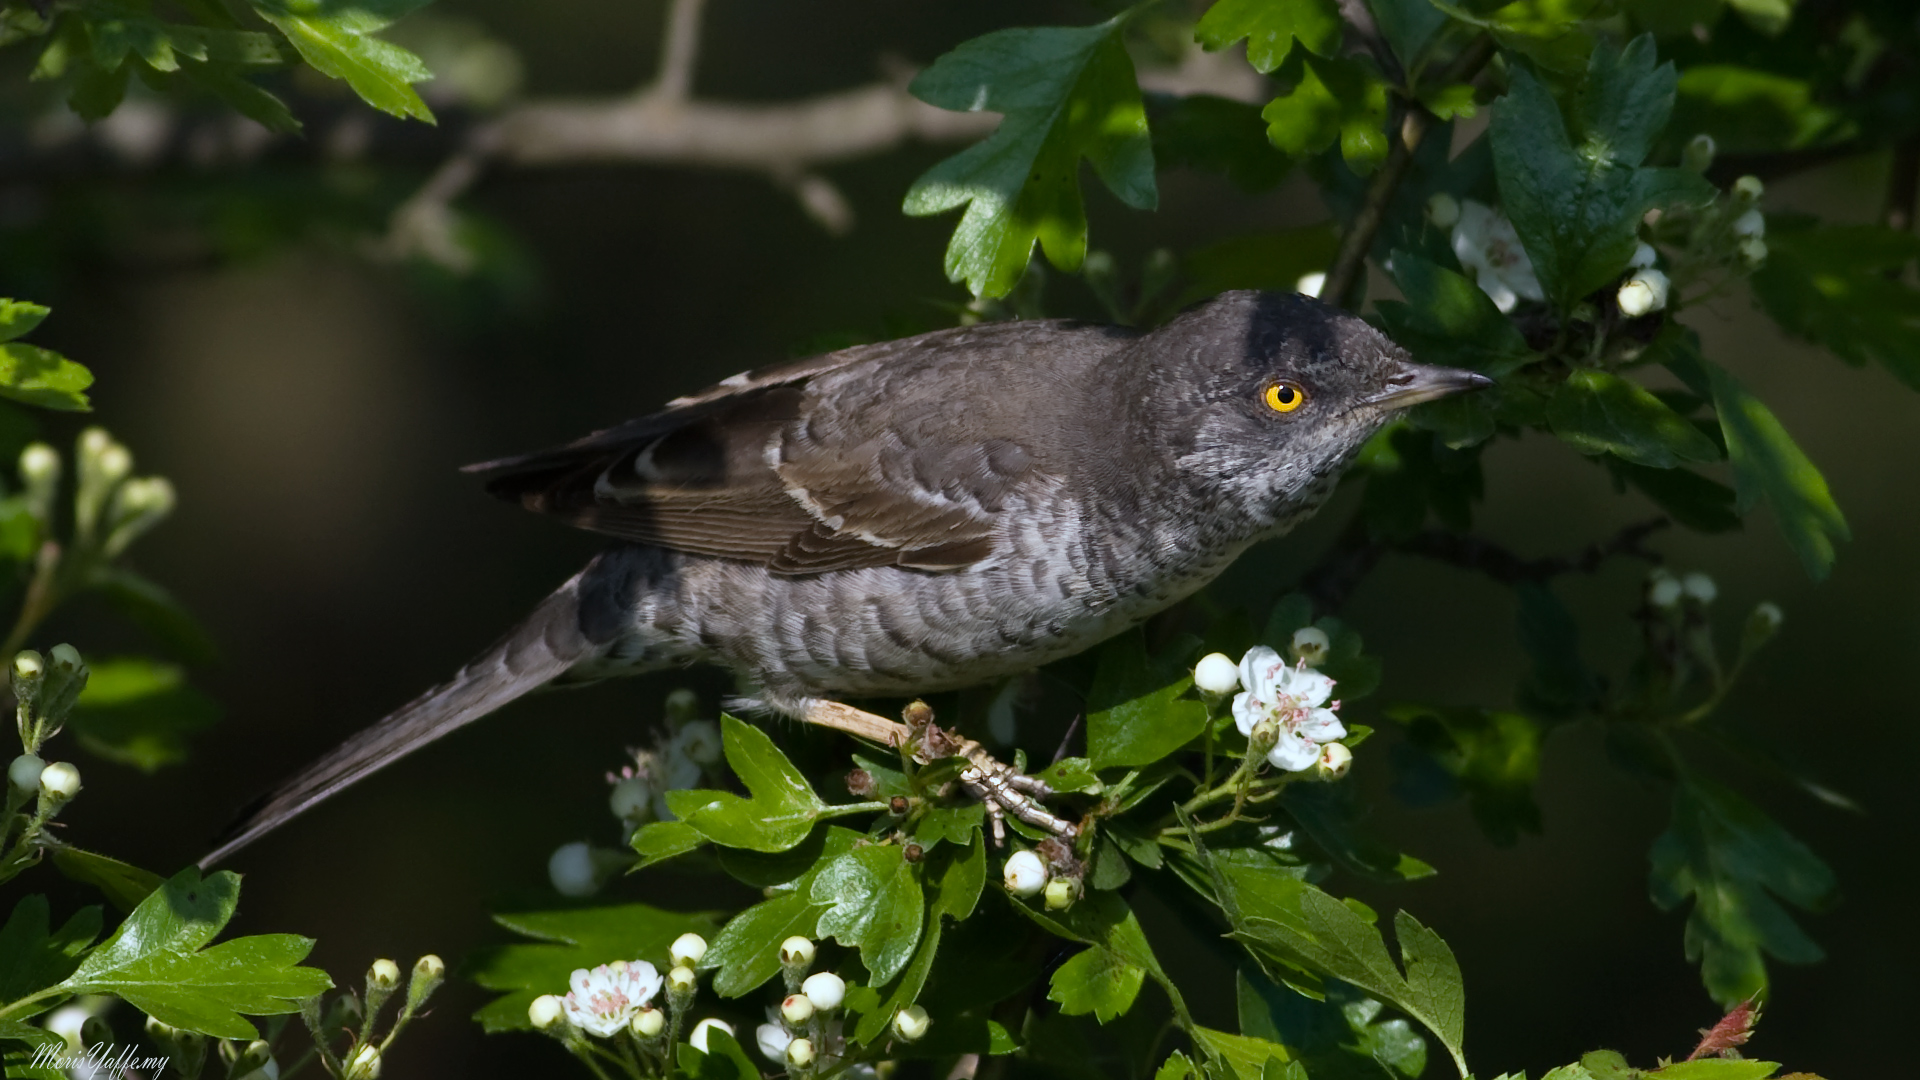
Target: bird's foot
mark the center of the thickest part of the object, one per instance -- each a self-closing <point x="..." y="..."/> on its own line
<point x="1003" y="789"/>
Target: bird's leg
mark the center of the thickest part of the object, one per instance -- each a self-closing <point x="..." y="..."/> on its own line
<point x="1002" y="788"/>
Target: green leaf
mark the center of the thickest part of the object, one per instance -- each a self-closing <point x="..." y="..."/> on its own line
<point x="336" y="38"/>
<point x="139" y="712"/>
<point x="19" y="317"/>
<point x="1684" y="495"/>
<point x="954" y="880"/>
<point x="1407" y="25"/>
<point x="565" y="940"/>
<point x="658" y="841"/>
<point x="723" y="1060"/>
<point x="1245" y="1057"/>
<point x="1270" y="27"/>
<point x="124" y="884"/>
<point x="1449" y="321"/>
<point x="1104" y="921"/>
<point x="1598" y="412"/>
<point x="782" y="808"/>
<point x="1747" y="110"/>
<point x="873" y="903"/>
<point x="1841" y="286"/>
<point x="1559" y="684"/>
<point x="1342" y="1037"/>
<point x="42" y="377"/>
<point x="1716" y="1069"/>
<point x="1577" y="206"/>
<point x="1330" y="815"/>
<point x="34" y="957"/>
<point x="1767" y="464"/>
<point x="1493" y="758"/>
<point x="1217" y="135"/>
<point x="1769" y="17"/>
<point x="1733" y="861"/>
<point x="154" y="610"/>
<point x="1333" y="98"/>
<point x="1067" y="93"/>
<point x="159" y="962"/>
<point x="1139" y="709"/>
<point x="1095" y="982"/>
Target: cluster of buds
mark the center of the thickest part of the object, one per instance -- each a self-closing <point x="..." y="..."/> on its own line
<point x="1050" y="871"/>
<point x="1285" y="710"/>
<point x="616" y="1002"/>
<point x="680" y="759"/>
<point x="1729" y="233"/>
<point x="804" y="1032"/>
<point x="45" y="689"/>
<point x="1679" y="633"/>
<point x="357" y="1017"/>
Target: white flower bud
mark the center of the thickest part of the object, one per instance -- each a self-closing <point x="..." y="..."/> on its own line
<point x="1643" y="256"/>
<point x="1311" y="645"/>
<point x="29" y="665"/>
<point x="649" y="1022"/>
<point x="682" y="704"/>
<point x="1264" y="737"/>
<point x="59" y="782"/>
<point x="383" y="975"/>
<point x="700" y="1030"/>
<point x="1752" y="223"/>
<point x="1025" y="874"/>
<point x="24" y="774"/>
<point x="1698" y="156"/>
<point x="687" y="949"/>
<point x="631" y="799"/>
<point x="1700" y="587"/>
<point x="430" y="967"/>
<point x="255" y="1061"/>
<point x="1061" y="893"/>
<point x="545" y="1012"/>
<point x="800" y="1053"/>
<point x="1753" y="251"/>
<point x="114" y="462"/>
<point x="571" y="870"/>
<point x="1663" y="591"/>
<point x="911" y="1023"/>
<point x="1216" y="674"/>
<point x="365" y="1064"/>
<point x="39" y="464"/>
<point x="1443" y="210"/>
<point x="796" y="951"/>
<point x="825" y="989"/>
<point x="1748" y="189"/>
<point x="682" y="980"/>
<point x="797" y="1009"/>
<point x="1762" y="624"/>
<point x="1335" y="760"/>
<point x="1643" y="293"/>
<point x="1310" y="284"/>
<point x="159" y="1031"/>
<point x="698" y="740"/>
<point x="1768" y="615"/>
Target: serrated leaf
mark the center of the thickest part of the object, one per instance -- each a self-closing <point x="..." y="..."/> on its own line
<point x="19" y="317"/>
<point x="874" y="904"/>
<point x="159" y="962"/>
<point x="1449" y="321"/>
<point x="564" y="940"/>
<point x="1270" y="27"/>
<point x="1096" y="982"/>
<point x="336" y="38"/>
<point x="1733" y="861"/>
<point x="1490" y="757"/>
<point x="1577" y="206"/>
<point x="139" y="712"/>
<point x="1139" y="709"/>
<point x="1067" y="93"/>
<point x="1330" y="815"/>
<point x="1407" y="25"/>
<point x="1700" y="504"/>
<point x="781" y="808"/>
<point x="1217" y="135"/>
<point x="1342" y="1037"/>
<point x="1841" y="286"/>
<point x="954" y="880"/>
<point x="34" y="957"/>
<point x="1768" y="464"/>
<point x="1598" y="412"/>
<point x="43" y="377"/>
<point x="658" y="841"/>
<point x="124" y="884"/>
<point x="1246" y="1057"/>
<point x="1334" y="99"/>
<point x="252" y="101"/>
<point x="1104" y="921"/>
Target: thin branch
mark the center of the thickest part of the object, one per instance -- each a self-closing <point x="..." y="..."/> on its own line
<point x="679" y="48"/>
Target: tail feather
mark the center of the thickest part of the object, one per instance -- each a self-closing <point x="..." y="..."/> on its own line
<point x="536" y="652"/>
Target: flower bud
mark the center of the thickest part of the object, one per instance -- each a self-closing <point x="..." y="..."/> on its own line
<point x="1753" y="252"/>
<point x="648" y="1023"/>
<point x="1644" y="256"/>
<point x="1264" y="737"/>
<point x="364" y="1065"/>
<point x="1061" y="893"/>
<point x="24" y="774"/>
<point x="1310" y="645"/>
<point x="1699" y="587"/>
<point x="631" y="800"/>
<point x="1310" y="284"/>
<point x="59" y="782"/>
<point x="700" y="1030"/>
<point x="1643" y="294"/>
<point x="682" y="704"/>
<point x="1748" y="189"/>
<point x="252" y="1060"/>
<point x="1762" y="624"/>
<point x="687" y="949"/>
<point x="800" y="1053"/>
<point x="545" y="1012"/>
<point x="797" y="1009"/>
<point x="1216" y="674"/>
<point x="29" y="668"/>
<point x="1663" y="590"/>
<point x="1443" y="210"/>
<point x="571" y="870"/>
<point x="699" y="741"/>
<point x="428" y="973"/>
<point x="1752" y="223"/>
<point x="796" y="951"/>
<point x="39" y="465"/>
<point x="682" y="980"/>
<point x="1335" y="760"/>
<point x="1698" y="155"/>
<point x="1025" y="874"/>
<point x="911" y="1023"/>
<point x="773" y="1040"/>
<point x="825" y="989"/>
<point x="383" y="975"/>
<point x="159" y="1031"/>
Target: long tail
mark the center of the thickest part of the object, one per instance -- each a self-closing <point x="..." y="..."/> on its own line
<point x="563" y="631"/>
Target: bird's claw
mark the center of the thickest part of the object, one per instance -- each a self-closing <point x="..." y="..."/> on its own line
<point x="1001" y="788"/>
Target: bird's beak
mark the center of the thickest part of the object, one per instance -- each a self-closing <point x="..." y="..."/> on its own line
<point x="1416" y="383"/>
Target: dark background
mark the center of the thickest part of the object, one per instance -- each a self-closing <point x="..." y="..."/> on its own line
<point x="312" y="407"/>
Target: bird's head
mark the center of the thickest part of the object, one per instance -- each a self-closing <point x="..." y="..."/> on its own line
<point x="1263" y="396"/>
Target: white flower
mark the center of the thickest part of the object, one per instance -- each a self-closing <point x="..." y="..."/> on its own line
<point x="571" y="870"/>
<point x="1643" y="256"/>
<point x="1643" y="293"/>
<point x="1485" y="243"/>
<point x="1025" y="874"/>
<point x="1663" y="589"/>
<point x="631" y="800"/>
<point x="1310" y="284"/>
<point x="1310" y="646"/>
<point x="1295" y="698"/>
<point x="1752" y="223"/>
<point x="699" y="1036"/>
<point x="1700" y="587"/>
<point x="60" y="781"/>
<point x="773" y="1040"/>
<point x="1216" y="673"/>
<point x="603" y="1000"/>
<point x="698" y="740"/>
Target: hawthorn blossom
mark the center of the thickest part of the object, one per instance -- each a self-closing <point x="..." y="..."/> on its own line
<point x="1486" y="244"/>
<point x="603" y="1000"/>
<point x="1295" y="698"/>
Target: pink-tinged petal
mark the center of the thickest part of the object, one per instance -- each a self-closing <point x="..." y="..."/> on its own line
<point x="1248" y="711"/>
<point x="1321" y="725"/>
<point x="578" y="980"/>
<point x="1258" y="670"/>
<point x="1294" y="753"/>
<point x="1308" y="688"/>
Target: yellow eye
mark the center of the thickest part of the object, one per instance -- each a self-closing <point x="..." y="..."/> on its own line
<point x="1284" y="397"/>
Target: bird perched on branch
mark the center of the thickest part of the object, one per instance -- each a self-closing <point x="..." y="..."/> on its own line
<point x="923" y="514"/>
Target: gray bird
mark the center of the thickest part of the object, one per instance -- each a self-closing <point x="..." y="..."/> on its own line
<point x="922" y="515"/>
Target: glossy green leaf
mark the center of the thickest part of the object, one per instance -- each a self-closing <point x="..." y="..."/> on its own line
<point x="746" y="952"/>
<point x="1139" y="709"/>
<point x="1104" y="921"/>
<point x="124" y="884"/>
<point x="139" y="712"/>
<point x="1067" y="93"/>
<point x="954" y="880"/>
<point x="658" y="841"/>
<point x="1270" y="27"/>
<point x="33" y="956"/>
<point x="1598" y="412"/>
<point x="1841" y="286"/>
<point x="159" y="961"/>
<point x="1733" y="860"/>
<point x="336" y="38"/>
<point x="781" y="808"/>
<point x="1096" y="982"/>
<point x="874" y="904"/>
<point x="564" y="940"/>
<point x="1334" y="99"/>
<point x="1407" y="25"/>
<point x="37" y="376"/>
<point x="19" y="317"/>
<point x="1716" y="1069"/>
<point x="1341" y="1037"/>
<point x="1576" y="196"/>
<point x="1449" y="321"/>
<point x="723" y="1059"/>
<point x="1246" y="1057"/>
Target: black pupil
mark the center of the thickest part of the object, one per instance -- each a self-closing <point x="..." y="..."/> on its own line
<point x="1283" y="394"/>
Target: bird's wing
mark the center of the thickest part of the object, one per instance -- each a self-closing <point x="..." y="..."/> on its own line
<point x="848" y="460"/>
